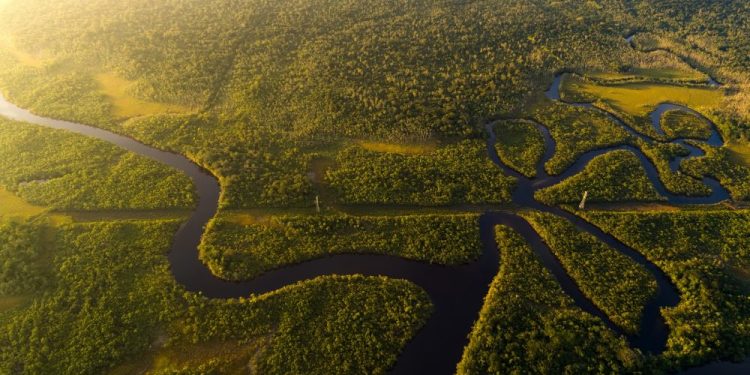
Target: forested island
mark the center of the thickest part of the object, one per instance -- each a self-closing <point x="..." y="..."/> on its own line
<point x="370" y="187"/>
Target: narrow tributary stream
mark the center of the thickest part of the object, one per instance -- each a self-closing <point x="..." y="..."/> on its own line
<point x="457" y="292"/>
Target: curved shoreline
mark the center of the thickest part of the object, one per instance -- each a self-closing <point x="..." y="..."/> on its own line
<point x="457" y="292"/>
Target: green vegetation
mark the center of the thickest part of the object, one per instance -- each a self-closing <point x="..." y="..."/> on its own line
<point x="639" y="99"/>
<point x="613" y="177"/>
<point x="720" y="164"/>
<point x="453" y="174"/>
<point x="679" y="73"/>
<point x="529" y="325"/>
<point x="705" y="253"/>
<point x="519" y="145"/>
<point x="20" y="250"/>
<point x="239" y="252"/>
<point x="13" y="206"/>
<point x="124" y="104"/>
<point x="360" y="102"/>
<point x="102" y="305"/>
<point x="61" y="170"/>
<point x="272" y="84"/>
<point x="676" y="182"/>
<point x="93" y="307"/>
<point x="681" y="124"/>
<point x="311" y="324"/>
<point x="576" y="131"/>
<point x="617" y="285"/>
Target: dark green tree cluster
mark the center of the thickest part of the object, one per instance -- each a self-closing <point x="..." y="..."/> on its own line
<point x="706" y="254"/>
<point x="616" y="284"/>
<point x="577" y="130"/>
<point x="20" y="251"/>
<point x="240" y="252"/>
<point x="616" y="176"/>
<point x="342" y="325"/>
<point x="677" y="182"/>
<point x="519" y="145"/>
<point x="681" y="124"/>
<point x="454" y="174"/>
<point x="110" y="302"/>
<point x="529" y="325"/>
<point x="67" y="171"/>
<point x="720" y="164"/>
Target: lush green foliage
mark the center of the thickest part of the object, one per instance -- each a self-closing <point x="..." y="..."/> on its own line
<point x="720" y="164"/>
<point x="519" y="145"/>
<point x="706" y="254"/>
<point x="105" y="302"/>
<point x="613" y="177"/>
<point x="619" y="286"/>
<point x="342" y="325"/>
<point x="68" y="171"/>
<point x="453" y="174"/>
<point x="528" y="325"/>
<point x="109" y="298"/>
<point x="676" y="182"/>
<point x="681" y="124"/>
<point x="577" y="130"/>
<point x="20" y="248"/>
<point x="235" y="251"/>
<point x="272" y="83"/>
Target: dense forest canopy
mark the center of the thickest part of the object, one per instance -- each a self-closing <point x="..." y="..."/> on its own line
<point x="350" y="127"/>
<point x="277" y="83"/>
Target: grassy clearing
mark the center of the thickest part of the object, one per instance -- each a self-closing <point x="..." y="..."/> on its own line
<point x="12" y="206"/>
<point x="23" y="57"/>
<point x="11" y="302"/>
<point x="234" y="357"/>
<point x="740" y="152"/>
<point x="399" y="148"/>
<point x="662" y="74"/>
<point x="125" y="105"/>
<point x="639" y="99"/>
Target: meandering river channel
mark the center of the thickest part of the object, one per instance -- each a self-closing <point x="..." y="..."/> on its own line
<point x="457" y="291"/>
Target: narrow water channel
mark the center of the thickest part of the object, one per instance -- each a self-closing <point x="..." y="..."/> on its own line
<point x="457" y="292"/>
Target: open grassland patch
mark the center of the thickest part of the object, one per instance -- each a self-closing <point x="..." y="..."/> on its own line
<point x="399" y="148"/>
<point x="23" y="57"/>
<point x="11" y="302"/>
<point x="233" y="358"/>
<point x="661" y="74"/>
<point x="12" y="206"/>
<point x="639" y="99"/>
<point x="740" y="152"/>
<point x="117" y="90"/>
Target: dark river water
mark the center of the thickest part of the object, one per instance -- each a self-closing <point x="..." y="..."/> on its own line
<point x="456" y="291"/>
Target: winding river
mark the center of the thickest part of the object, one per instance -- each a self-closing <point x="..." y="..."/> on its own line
<point x="457" y="292"/>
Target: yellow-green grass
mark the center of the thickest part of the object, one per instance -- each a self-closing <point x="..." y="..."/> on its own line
<point x="23" y="57"/>
<point x="639" y="99"/>
<point x="237" y="358"/>
<point x="116" y="89"/>
<point x="11" y="302"/>
<point x="132" y="215"/>
<point x="399" y="148"/>
<point x="672" y="74"/>
<point x="14" y="207"/>
<point x="740" y="152"/>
